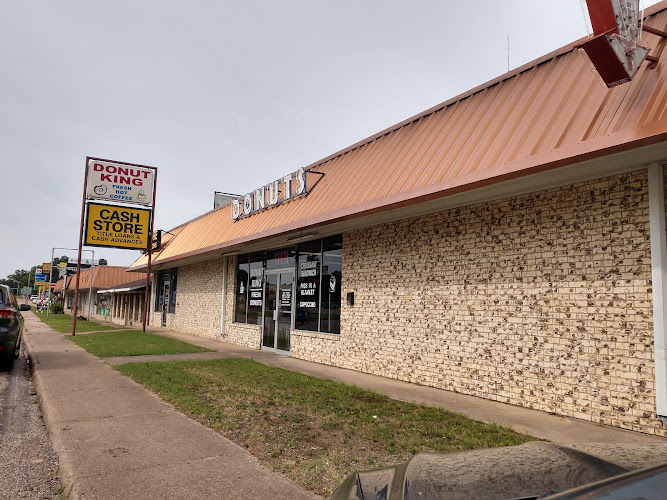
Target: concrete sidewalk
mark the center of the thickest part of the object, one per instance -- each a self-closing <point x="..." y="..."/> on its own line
<point x="116" y="440"/>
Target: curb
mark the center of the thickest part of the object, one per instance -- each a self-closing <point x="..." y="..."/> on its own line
<point x="58" y="436"/>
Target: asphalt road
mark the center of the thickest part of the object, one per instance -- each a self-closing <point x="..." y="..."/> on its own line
<point x="28" y="463"/>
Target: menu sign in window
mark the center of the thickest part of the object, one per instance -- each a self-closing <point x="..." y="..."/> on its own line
<point x="308" y="295"/>
<point x="256" y="287"/>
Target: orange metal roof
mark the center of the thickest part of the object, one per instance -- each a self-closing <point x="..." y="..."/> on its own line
<point x="104" y="277"/>
<point x="549" y="113"/>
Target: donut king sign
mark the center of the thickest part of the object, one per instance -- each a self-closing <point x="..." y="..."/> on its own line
<point x="290" y="186"/>
<point x="116" y="182"/>
<point x="117" y="226"/>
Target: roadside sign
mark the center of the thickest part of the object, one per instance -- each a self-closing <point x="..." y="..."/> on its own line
<point x="120" y="183"/>
<point x="117" y="226"/>
<point x="40" y="277"/>
<point x="40" y="283"/>
<point x="46" y="267"/>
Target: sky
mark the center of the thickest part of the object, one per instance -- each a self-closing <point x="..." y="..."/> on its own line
<point x="226" y="96"/>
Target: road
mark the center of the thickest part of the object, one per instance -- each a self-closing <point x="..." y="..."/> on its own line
<point x="28" y="464"/>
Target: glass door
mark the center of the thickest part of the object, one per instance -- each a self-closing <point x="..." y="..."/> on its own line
<point x="278" y="310"/>
<point x="165" y="303"/>
<point x="270" y="311"/>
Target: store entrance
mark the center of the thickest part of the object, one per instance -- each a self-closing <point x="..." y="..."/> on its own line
<point x="278" y="310"/>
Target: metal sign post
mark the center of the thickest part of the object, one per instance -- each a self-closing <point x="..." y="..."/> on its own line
<point x="150" y="254"/>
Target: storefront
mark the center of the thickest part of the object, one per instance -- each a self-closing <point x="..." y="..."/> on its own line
<point x="508" y="243"/>
<point x="293" y="288"/>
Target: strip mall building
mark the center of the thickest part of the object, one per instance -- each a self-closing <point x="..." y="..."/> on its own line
<point x="507" y="244"/>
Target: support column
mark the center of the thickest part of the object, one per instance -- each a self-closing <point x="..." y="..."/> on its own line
<point x="656" y="200"/>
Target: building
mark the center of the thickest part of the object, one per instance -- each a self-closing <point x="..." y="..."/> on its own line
<point x="95" y="294"/>
<point x="508" y="243"/>
<point x="124" y="304"/>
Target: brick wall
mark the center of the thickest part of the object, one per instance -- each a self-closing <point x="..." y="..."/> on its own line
<point x="541" y="300"/>
<point x="198" y="300"/>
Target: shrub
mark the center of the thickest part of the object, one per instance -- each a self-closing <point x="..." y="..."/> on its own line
<point x="57" y="308"/>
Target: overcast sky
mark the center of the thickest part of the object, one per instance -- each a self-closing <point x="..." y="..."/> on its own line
<point x="226" y="96"/>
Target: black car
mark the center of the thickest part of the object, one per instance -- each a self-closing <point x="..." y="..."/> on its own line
<point x="11" y="326"/>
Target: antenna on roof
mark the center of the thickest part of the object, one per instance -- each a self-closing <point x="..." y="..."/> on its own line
<point x="508" y="52"/>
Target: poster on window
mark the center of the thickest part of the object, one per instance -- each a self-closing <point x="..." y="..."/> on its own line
<point x="286" y="297"/>
<point x="256" y="286"/>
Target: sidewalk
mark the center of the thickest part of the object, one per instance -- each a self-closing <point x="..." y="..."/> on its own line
<point x="116" y="440"/>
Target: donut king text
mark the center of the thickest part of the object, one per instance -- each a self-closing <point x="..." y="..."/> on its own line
<point x="117" y="226"/>
<point x="288" y="187"/>
<point x="120" y="183"/>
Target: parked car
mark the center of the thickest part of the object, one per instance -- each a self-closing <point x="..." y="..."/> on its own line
<point x="528" y="471"/>
<point x="34" y="299"/>
<point x="11" y="326"/>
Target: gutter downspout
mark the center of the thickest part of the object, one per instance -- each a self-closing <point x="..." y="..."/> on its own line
<point x="656" y="201"/>
<point x="223" y="309"/>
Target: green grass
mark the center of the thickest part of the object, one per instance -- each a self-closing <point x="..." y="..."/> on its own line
<point x="132" y="343"/>
<point x="314" y="431"/>
<point x="63" y="323"/>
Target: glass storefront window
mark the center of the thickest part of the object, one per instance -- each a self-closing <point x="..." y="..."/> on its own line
<point x="172" y="297"/>
<point x="280" y="259"/>
<point x="242" y="272"/>
<point x="332" y="271"/>
<point x="308" y="286"/>
<point x="317" y="267"/>
<point x="159" y="293"/>
<point x="256" y="288"/>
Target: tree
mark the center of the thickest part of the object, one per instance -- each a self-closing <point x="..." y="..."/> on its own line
<point x="17" y="279"/>
<point x="103" y="262"/>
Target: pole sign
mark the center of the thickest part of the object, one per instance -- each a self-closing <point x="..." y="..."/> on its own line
<point x="614" y="50"/>
<point x="116" y="226"/>
<point x="46" y="267"/>
<point x="120" y="183"/>
<point x="40" y="277"/>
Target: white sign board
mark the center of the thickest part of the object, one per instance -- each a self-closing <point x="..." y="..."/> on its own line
<point x="120" y="183"/>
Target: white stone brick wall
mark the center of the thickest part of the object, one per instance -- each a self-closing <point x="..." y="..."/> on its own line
<point x="541" y="301"/>
<point x="198" y="300"/>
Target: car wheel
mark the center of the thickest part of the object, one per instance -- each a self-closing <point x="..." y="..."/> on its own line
<point x="6" y="363"/>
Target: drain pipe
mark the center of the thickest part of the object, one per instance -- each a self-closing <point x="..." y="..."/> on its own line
<point x="656" y="201"/>
<point x="223" y="309"/>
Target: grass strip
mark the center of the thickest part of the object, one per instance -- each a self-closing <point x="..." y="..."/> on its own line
<point x="63" y="323"/>
<point x="132" y="343"/>
<point x="314" y="431"/>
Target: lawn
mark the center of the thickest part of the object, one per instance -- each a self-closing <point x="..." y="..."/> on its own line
<point x="314" y="431"/>
<point x="132" y="343"/>
<point x="63" y="323"/>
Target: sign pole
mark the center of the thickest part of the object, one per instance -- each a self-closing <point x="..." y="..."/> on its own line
<point x="90" y="285"/>
<point x="50" y="278"/>
<point x="78" y="262"/>
<point x="150" y="253"/>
